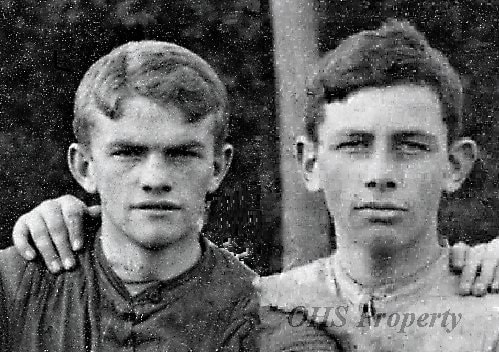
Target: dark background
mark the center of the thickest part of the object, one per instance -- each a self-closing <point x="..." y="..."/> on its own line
<point x="467" y="32"/>
<point x="47" y="46"/>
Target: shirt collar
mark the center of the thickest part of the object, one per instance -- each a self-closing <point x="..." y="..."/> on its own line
<point x="388" y="298"/>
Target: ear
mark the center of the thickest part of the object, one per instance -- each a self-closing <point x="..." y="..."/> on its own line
<point x="306" y="156"/>
<point x="81" y="166"/>
<point x="221" y="164"/>
<point x="462" y="155"/>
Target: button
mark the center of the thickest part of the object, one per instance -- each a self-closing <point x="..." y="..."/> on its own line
<point x="129" y="316"/>
<point x="118" y="332"/>
<point x="155" y="297"/>
<point x="123" y="308"/>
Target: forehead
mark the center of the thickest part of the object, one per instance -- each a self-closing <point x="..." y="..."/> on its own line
<point x="144" y="121"/>
<point x="397" y="108"/>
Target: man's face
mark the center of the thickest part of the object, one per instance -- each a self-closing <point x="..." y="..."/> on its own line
<point x="382" y="162"/>
<point x="152" y="170"/>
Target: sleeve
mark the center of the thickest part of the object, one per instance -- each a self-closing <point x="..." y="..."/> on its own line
<point x="283" y="332"/>
<point x="11" y="270"/>
<point x="242" y="334"/>
<point x="4" y="322"/>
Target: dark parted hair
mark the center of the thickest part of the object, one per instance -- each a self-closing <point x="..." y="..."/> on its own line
<point x="396" y="53"/>
<point x="161" y="71"/>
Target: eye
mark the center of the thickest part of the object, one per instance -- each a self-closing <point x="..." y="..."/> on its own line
<point x="127" y="152"/>
<point x="353" y="146"/>
<point x="183" y="154"/>
<point x="412" y="147"/>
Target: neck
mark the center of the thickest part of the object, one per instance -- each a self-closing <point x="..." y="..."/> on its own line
<point x="139" y="265"/>
<point x="375" y="265"/>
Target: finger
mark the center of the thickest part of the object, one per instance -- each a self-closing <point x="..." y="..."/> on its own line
<point x="470" y="269"/>
<point x="94" y="211"/>
<point x="52" y="215"/>
<point x="490" y="260"/>
<point x="458" y="256"/>
<point x="20" y="237"/>
<point x="72" y="211"/>
<point x="484" y="281"/>
<point x="43" y="242"/>
<point x="494" y="287"/>
<point x="494" y="252"/>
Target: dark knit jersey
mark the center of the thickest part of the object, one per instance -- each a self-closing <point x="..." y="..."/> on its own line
<point x="211" y="307"/>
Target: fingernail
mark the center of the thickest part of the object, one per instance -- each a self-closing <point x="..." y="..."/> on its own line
<point x="68" y="263"/>
<point x="465" y="289"/>
<point x="55" y="266"/>
<point x="479" y="289"/>
<point x="76" y="245"/>
<point x="30" y="254"/>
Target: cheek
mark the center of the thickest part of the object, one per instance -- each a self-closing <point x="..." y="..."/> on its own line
<point x="196" y="179"/>
<point x="424" y="184"/>
<point x="113" y="181"/>
<point x="338" y="180"/>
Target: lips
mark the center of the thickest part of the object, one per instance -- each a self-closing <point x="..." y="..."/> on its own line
<point x="380" y="206"/>
<point x="157" y="206"/>
<point x="381" y="213"/>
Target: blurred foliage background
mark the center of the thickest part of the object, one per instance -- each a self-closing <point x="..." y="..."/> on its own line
<point x="47" y="46"/>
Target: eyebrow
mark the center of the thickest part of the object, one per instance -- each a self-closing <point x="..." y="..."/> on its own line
<point x="400" y="133"/>
<point x="428" y="137"/>
<point x="354" y="133"/>
<point x="359" y="134"/>
<point x="178" y="146"/>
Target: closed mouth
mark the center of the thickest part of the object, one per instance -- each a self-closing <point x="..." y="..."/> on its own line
<point x="157" y="206"/>
<point x="380" y="206"/>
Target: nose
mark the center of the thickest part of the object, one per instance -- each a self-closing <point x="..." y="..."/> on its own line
<point x="155" y="175"/>
<point x="380" y="173"/>
<point x="382" y="185"/>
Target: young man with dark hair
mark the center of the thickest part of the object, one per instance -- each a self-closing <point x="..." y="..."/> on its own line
<point x="383" y="144"/>
<point x="55" y="222"/>
<point x="150" y="120"/>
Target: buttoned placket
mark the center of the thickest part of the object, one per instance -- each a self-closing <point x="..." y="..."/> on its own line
<point x="371" y="306"/>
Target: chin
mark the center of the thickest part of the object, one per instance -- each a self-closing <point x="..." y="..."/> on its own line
<point x="382" y="237"/>
<point x="156" y="239"/>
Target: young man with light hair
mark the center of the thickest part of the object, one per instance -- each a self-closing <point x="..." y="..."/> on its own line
<point x="383" y="144"/>
<point x="338" y="167"/>
<point x="150" y="120"/>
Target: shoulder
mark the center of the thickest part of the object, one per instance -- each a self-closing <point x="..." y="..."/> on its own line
<point x="300" y="286"/>
<point x="229" y="293"/>
<point x="229" y="281"/>
<point x="479" y="308"/>
<point x="445" y="290"/>
<point x="229" y="266"/>
<point x="9" y="257"/>
<point x="284" y="299"/>
<point x="12" y="269"/>
<point x="280" y="332"/>
<point x="466" y="321"/>
<point x="20" y="277"/>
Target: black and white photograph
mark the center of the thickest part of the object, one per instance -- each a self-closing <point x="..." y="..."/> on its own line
<point x="249" y="175"/>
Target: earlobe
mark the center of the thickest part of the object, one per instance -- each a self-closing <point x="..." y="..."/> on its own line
<point x="306" y="157"/>
<point x="462" y="156"/>
<point x="221" y="165"/>
<point x="81" y="167"/>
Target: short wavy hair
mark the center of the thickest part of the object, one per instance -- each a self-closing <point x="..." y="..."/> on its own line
<point x="160" y="71"/>
<point x="396" y="53"/>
